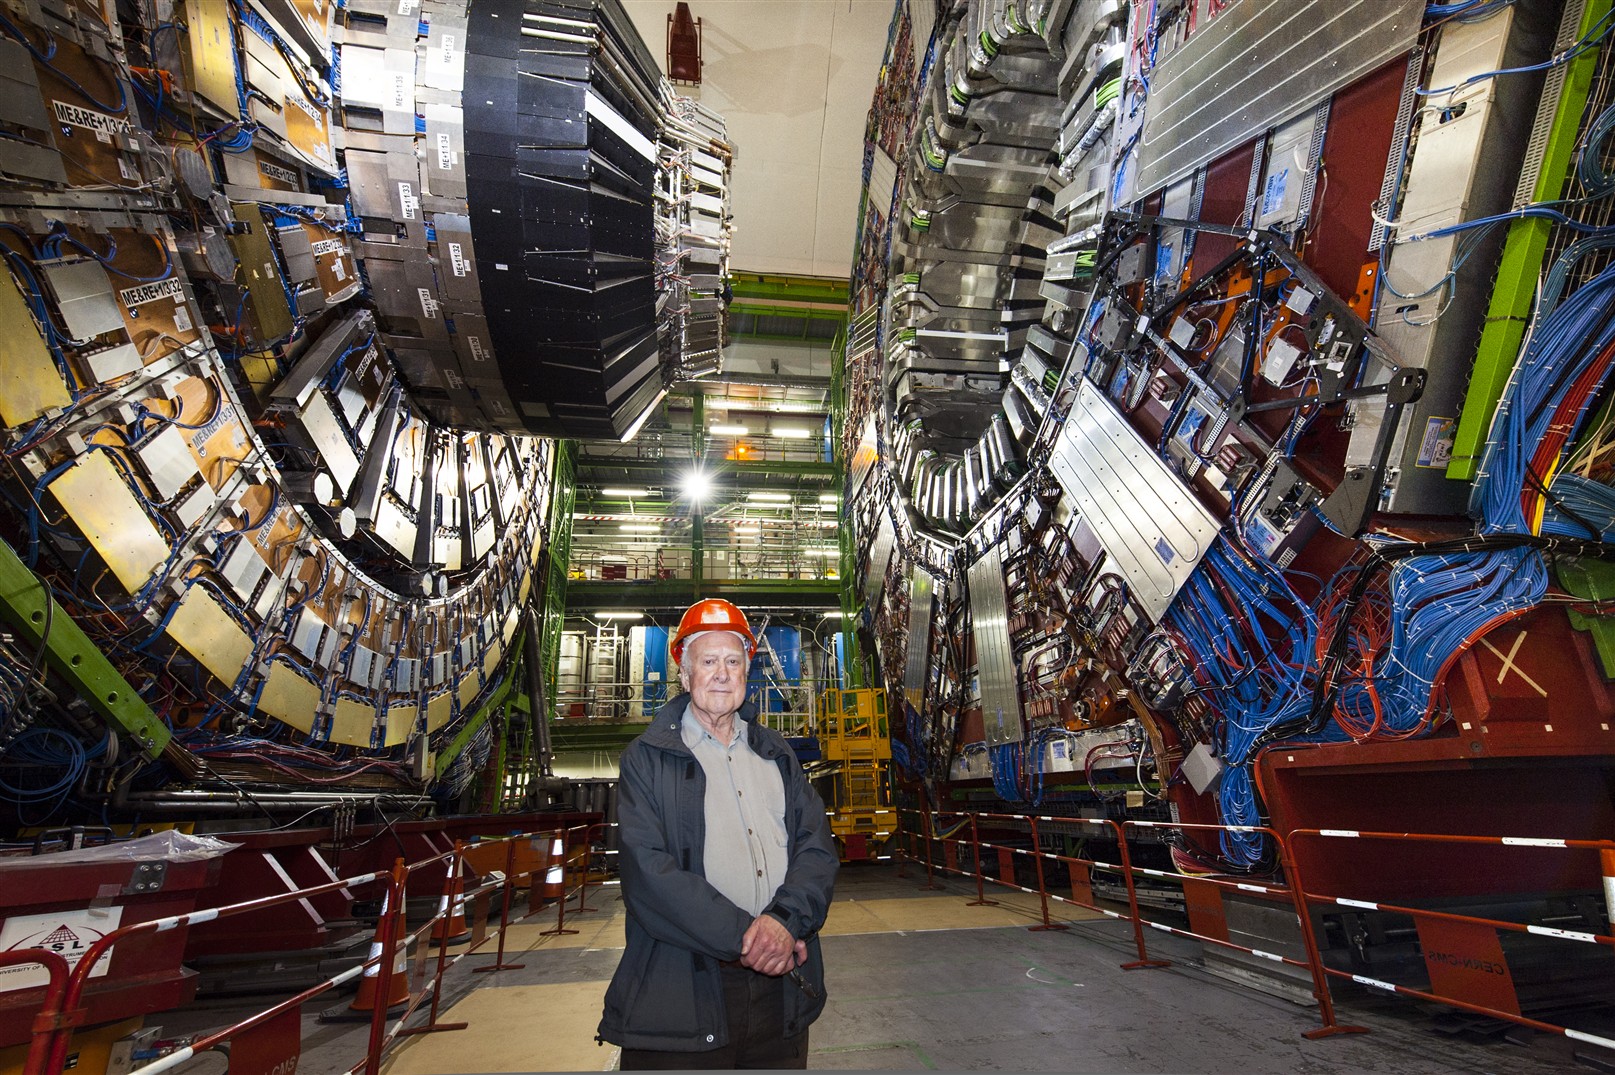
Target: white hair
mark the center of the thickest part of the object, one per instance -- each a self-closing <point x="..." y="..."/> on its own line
<point x="745" y="644"/>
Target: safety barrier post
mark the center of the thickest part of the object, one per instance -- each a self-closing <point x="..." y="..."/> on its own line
<point x="930" y="870"/>
<point x="388" y="932"/>
<point x="1309" y="937"/>
<point x="51" y="1021"/>
<point x="499" y="963"/>
<point x="1042" y="888"/>
<point x="981" y="899"/>
<point x="583" y="886"/>
<point x="432" y="1025"/>
<point x="904" y="852"/>
<point x="1143" y="959"/>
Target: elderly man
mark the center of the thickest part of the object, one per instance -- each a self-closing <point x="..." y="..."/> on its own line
<point x="727" y="872"/>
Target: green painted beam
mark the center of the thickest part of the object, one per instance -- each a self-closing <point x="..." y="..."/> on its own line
<point x="643" y="594"/>
<point x="562" y="499"/>
<point x="1521" y="265"/>
<point x="807" y="313"/>
<point x="673" y="467"/>
<point x="567" y="735"/>
<point x="776" y="287"/>
<point x="456" y="746"/>
<point x="28" y="608"/>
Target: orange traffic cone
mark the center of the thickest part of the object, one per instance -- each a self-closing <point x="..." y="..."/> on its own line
<point x="555" y="876"/>
<point x="398" y="989"/>
<point x="451" y="927"/>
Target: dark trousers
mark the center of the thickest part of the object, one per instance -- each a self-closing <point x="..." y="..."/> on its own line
<point x="756" y="1009"/>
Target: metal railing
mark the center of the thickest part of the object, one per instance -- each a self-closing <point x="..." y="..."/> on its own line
<point x="563" y="851"/>
<point x="941" y="848"/>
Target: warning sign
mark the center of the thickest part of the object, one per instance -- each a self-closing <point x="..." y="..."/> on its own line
<point x="67" y="933"/>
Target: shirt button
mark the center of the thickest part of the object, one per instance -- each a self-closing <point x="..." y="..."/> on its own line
<point x="709" y="1037"/>
<point x="759" y="873"/>
<point x="748" y="832"/>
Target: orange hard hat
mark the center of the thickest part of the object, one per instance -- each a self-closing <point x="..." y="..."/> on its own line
<point x="712" y="614"/>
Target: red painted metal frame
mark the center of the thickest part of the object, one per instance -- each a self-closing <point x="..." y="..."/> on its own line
<point x="1295" y="897"/>
<point x="62" y="1007"/>
<point x="1143" y="960"/>
<point x="144" y="976"/>
<point x="1602" y="847"/>
<point x="51" y="1020"/>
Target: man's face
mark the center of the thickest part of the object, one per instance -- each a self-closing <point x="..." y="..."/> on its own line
<point x="714" y="672"/>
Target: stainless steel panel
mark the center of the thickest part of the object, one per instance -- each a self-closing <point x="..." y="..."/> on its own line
<point x="921" y="599"/>
<point x="168" y="462"/>
<point x="320" y="424"/>
<point x="1153" y="528"/>
<point x="880" y="557"/>
<point x="84" y="297"/>
<point x="995" y="663"/>
<point x="1254" y="65"/>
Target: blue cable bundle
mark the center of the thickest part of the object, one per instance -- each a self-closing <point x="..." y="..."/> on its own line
<point x="1441" y="602"/>
<point x="1250" y="640"/>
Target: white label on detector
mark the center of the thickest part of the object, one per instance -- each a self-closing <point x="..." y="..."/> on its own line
<point x="457" y="259"/>
<point x="445" y="152"/>
<point x="182" y="318"/>
<point x="277" y="173"/>
<point x="67" y="933"/>
<point x="144" y="293"/>
<point x="104" y="125"/>
<point x="321" y="247"/>
<point x="428" y="303"/>
<point x="312" y="112"/>
<point x="406" y="195"/>
<point x="477" y="353"/>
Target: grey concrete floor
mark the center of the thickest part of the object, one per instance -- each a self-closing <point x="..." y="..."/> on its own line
<point x="988" y="999"/>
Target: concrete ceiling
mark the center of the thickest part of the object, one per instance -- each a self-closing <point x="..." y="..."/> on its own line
<point x="793" y="79"/>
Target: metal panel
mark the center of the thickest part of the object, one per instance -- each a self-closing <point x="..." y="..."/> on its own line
<point x="1255" y="64"/>
<point x="921" y="599"/>
<point x="108" y="514"/>
<point x="995" y="663"/>
<point x="1154" y="530"/>
<point x="880" y="556"/>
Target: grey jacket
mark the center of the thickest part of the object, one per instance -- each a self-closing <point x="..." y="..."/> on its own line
<point x="666" y="994"/>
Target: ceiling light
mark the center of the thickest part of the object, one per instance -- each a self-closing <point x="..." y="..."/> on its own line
<point x="822" y="552"/>
<point x="697" y="484"/>
<point x="775" y="497"/>
<point x="834" y="615"/>
<point x="827" y="498"/>
<point x="791" y="432"/>
<point x="748" y="530"/>
<point x="620" y="615"/>
<point x="729" y="431"/>
<point x="638" y="528"/>
<point x="797" y="406"/>
<point x="632" y="494"/>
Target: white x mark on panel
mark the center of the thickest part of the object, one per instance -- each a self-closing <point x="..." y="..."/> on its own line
<point x="1508" y="662"/>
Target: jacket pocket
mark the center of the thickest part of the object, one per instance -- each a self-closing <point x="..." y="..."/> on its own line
<point x="666" y="1000"/>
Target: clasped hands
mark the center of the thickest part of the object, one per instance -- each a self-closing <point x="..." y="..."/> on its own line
<point x="768" y="947"/>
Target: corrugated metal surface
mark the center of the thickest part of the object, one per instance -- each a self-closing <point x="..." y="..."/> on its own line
<point x="880" y="556"/>
<point x="921" y="600"/>
<point x="995" y="664"/>
<point x="1152" y="528"/>
<point x="1256" y="64"/>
